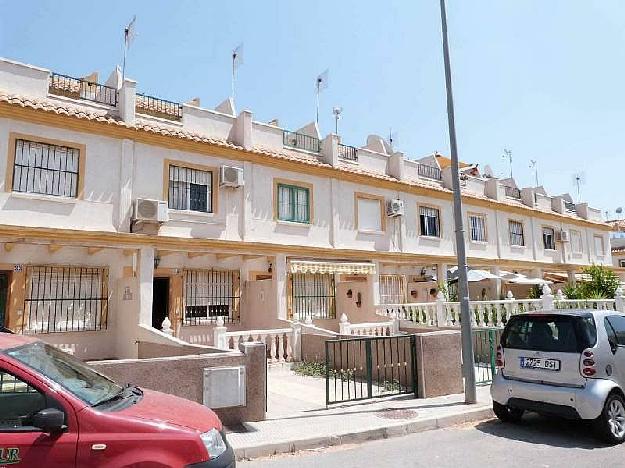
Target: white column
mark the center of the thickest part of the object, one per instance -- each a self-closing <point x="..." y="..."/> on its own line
<point x="126" y="170"/>
<point x="281" y="290"/>
<point x="146" y="279"/>
<point x="496" y="271"/>
<point x="441" y="273"/>
<point x="374" y="284"/>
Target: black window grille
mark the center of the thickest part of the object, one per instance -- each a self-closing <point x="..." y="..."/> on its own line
<point x="79" y="88"/>
<point x="512" y="192"/>
<point x="429" y="220"/>
<point x="313" y="295"/>
<point x="478" y="228"/>
<point x="158" y="107"/>
<point x="210" y="294"/>
<point x="301" y="141"/>
<point x="349" y="153"/>
<point x="65" y="298"/>
<point x="190" y="189"/>
<point x="516" y="233"/>
<point x="549" y="239"/>
<point x="45" y="169"/>
<point x="429" y="172"/>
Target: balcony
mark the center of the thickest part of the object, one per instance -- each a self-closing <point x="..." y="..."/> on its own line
<point x="348" y="153"/>
<point x="301" y="141"/>
<point x="429" y="172"/>
<point x="512" y="192"/>
<point x="79" y="88"/>
<point x="158" y="107"/>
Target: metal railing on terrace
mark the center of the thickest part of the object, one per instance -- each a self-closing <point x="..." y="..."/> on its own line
<point x="79" y="88"/>
<point x="349" y="153"/>
<point x="158" y="107"/>
<point x="569" y="206"/>
<point x="301" y="141"/>
<point x="512" y="192"/>
<point x="429" y="172"/>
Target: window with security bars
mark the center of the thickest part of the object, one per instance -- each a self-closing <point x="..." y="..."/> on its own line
<point x="65" y="299"/>
<point x="45" y="169"/>
<point x="429" y="220"/>
<point x="293" y="203"/>
<point x="517" y="236"/>
<point x="210" y="294"/>
<point x="549" y="238"/>
<point x="392" y="289"/>
<point x="190" y="189"/>
<point x="313" y="295"/>
<point x="477" y="226"/>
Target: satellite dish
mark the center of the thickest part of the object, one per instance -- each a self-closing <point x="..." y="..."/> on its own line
<point x="488" y="172"/>
<point x="619" y="210"/>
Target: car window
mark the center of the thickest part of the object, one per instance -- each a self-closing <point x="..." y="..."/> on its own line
<point x="18" y="402"/>
<point x="618" y="325"/>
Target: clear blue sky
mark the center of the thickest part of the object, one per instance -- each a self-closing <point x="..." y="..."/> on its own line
<point x="541" y="78"/>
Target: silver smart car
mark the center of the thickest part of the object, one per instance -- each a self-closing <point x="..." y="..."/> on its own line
<point x="567" y="363"/>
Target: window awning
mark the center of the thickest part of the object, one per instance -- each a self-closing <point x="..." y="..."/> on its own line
<point x="315" y="266"/>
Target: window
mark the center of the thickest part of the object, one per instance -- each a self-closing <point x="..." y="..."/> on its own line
<point x="549" y="238"/>
<point x="621" y="263"/>
<point x="45" y="169"/>
<point x="209" y="294"/>
<point x="615" y="327"/>
<point x="429" y="221"/>
<point x="369" y="214"/>
<point x="293" y="203"/>
<point x="392" y="289"/>
<point x="18" y="402"/>
<point x="312" y="295"/>
<point x="190" y="189"/>
<point x="576" y="242"/>
<point x="477" y="226"/>
<point x="516" y="233"/>
<point x="599" y="248"/>
<point x="64" y="298"/>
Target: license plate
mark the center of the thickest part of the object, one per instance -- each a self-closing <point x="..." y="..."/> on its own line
<point x="540" y="363"/>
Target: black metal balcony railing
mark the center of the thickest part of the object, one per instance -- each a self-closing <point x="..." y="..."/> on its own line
<point x="569" y="206"/>
<point x="301" y="141"/>
<point x="158" y="107"/>
<point x="349" y="153"/>
<point x="512" y="192"/>
<point x="79" y="88"/>
<point x="429" y="172"/>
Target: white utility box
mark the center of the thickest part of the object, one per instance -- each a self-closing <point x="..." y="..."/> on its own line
<point x="224" y="387"/>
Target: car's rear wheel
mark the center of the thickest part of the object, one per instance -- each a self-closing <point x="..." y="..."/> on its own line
<point x="610" y="425"/>
<point x="507" y="414"/>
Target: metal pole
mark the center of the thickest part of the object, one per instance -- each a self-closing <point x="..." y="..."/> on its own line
<point x="463" y="285"/>
<point x="317" y="118"/>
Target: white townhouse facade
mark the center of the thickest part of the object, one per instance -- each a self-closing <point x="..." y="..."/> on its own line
<point x="118" y="210"/>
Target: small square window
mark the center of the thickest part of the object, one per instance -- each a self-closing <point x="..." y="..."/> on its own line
<point x="517" y="236"/>
<point x="429" y="221"/>
<point x="190" y="189"/>
<point x="477" y="228"/>
<point x="369" y="214"/>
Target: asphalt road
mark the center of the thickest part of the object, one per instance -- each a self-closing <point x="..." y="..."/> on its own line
<point x="537" y="442"/>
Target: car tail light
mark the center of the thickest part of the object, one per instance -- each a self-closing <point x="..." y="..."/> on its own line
<point x="499" y="361"/>
<point x="588" y="363"/>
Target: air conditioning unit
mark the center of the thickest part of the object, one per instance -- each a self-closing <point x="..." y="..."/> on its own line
<point x="150" y="211"/>
<point x="395" y="208"/>
<point x="563" y="236"/>
<point x="230" y="176"/>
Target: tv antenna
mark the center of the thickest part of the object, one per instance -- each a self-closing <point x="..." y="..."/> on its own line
<point x="579" y="179"/>
<point x="507" y="154"/>
<point x="337" y="116"/>
<point x="321" y="83"/>
<point x="129" y="36"/>
<point x="392" y="137"/>
<point x="237" y="60"/>
<point x="534" y="167"/>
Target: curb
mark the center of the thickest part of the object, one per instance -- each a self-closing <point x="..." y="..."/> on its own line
<point x="291" y="446"/>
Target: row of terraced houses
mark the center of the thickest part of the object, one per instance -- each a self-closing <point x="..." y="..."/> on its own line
<point x="123" y="213"/>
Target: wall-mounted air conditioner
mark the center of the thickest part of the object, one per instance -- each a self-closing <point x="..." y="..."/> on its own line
<point x="395" y="208"/>
<point x="230" y="176"/>
<point x="150" y="211"/>
<point x="563" y="236"/>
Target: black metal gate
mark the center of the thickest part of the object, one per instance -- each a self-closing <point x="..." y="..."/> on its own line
<point x="371" y="367"/>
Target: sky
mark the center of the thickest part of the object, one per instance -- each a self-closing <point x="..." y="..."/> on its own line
<point x="543" y="79"/>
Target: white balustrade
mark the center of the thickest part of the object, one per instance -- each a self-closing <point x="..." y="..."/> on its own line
<point x="279" y="342"/>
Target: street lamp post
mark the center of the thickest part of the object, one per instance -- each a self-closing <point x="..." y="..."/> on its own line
<point x="463" y="285"/>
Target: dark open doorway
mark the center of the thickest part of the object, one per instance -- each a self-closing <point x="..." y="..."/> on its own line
<point x="4" y="293"/>
<point x="160" y="301"/>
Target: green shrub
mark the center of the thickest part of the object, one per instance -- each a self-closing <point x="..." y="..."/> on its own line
<point x="602" y="284"/>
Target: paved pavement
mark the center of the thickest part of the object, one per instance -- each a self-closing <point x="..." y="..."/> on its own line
<point x="537" y="442"/>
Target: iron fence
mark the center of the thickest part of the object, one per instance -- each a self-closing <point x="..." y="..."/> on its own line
<point x="512" y="192"/>
<point x="485" y="341"/>
<point x="79" y="88"/>
<point x="158" y="107"/>
<point x="371" y="367"/>
<point x="429" y="172"/>
<point x="65" y="298"/>
<point x="301" y="141"/>
<point x="210" y="294"/>
<point x="349" y="153"/>
<point x="312" y="295"/>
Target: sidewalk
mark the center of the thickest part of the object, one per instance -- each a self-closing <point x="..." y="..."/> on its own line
<point x="298" y="419"/>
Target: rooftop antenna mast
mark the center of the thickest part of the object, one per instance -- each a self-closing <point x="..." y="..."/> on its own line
<point x="321" y="83"/>
<point x="392" y="136"/>
<point x="507" y="154"/>
<point x="337" y="116"/>
<point x="579" y="179"/>
<point x="129" y="35"/>
<point x="237" y="60"/>
<point x="534" y="167"/>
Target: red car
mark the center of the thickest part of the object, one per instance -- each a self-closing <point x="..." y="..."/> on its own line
<point x="57" y="412"/>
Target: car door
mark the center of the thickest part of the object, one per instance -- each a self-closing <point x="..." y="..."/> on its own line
<point x="22" y="444"/>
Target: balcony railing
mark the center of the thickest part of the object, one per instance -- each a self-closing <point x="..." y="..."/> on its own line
<point x="301" y="141"/>
<point x="158" y="107"/>
<point x="429" y="172"/>
<point x="569" y="206"/>
<point x="349" y="153"/>
<point x="512" y="192"/>
<point x="79" y="88"/>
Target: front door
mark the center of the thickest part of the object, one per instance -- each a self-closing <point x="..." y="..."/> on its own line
<point x="160" y="301"/>
<point x="4" y="292"/>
